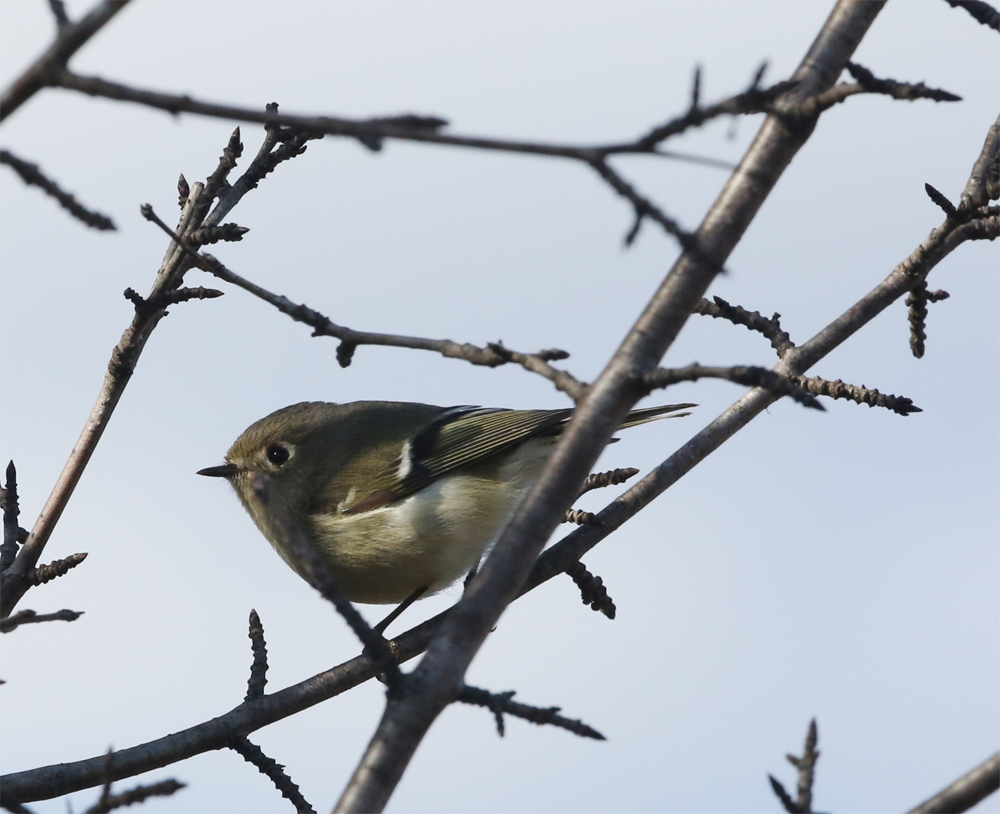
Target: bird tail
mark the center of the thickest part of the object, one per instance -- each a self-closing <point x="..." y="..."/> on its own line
<point x="647" y="414"/>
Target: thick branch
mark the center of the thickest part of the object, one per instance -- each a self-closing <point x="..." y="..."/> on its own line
<point x="437" y="680"/>
<point x="965" y="792"/>
<point x="57" y="780"/>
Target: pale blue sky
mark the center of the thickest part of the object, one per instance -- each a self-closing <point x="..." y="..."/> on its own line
<point x="843" y="565"/>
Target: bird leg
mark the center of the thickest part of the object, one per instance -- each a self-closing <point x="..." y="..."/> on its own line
<point x="381" y="626"/>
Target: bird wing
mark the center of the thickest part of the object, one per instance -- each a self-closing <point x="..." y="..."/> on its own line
<point x="462" y="436"/>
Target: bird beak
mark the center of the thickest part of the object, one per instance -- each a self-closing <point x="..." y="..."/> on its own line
<point x="224" y="471"/>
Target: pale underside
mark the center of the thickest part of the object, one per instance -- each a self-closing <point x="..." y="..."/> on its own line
<point x="429" y="539"/>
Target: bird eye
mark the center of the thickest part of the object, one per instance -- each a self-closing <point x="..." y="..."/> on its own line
<point x="277" y="454"/>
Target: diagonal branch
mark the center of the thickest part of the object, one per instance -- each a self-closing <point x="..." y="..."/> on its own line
<point x="438" y="678"/>
<point x="274" y="772"/>
<point x="493" y="355"/>
<point x="751" y="320"/>
<point x="32" y="176"/>
<point x="502" y="702"/>
<point x="964" y="793"/>
<point x="53" y="781"/>
<point x="750" y="376"/>
<point x="980" y="11"/>
<point x="195" y="214"/>
<point x="70" y="39"/>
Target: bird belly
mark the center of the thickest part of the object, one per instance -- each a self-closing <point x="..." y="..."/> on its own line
<point x="430" y="539"/>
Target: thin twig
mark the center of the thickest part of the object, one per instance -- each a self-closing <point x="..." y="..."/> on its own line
<point x="120" y="368"/>
<point x="274" y="772"/>
<point x="176" y="263"/>
<point x="438" y="679"/>
<point x="748" y="376"/>
<point x="58" y="8"/>
<point x="500" y="703"/>
<point x="33" y="176"/>
<point x="27" y="617"/>
<point x="56" y="780"/>
<point x="11" y="511"/>
<point x="806" y="766"/>
<point x="493" y="355"/>
<point x="258" y="669"/>
<point x="592" y="590"/>
<point x="372" y="132"/>
<point x="139" y="794"/>
<point x="580" y="517"/>
<point x="752" y="320"/>
<point x="307" y="564"/>
<point x="981" y="12"/>
<point x="601" y="480"/>
<point x="408" y="127"/>
<point x="68" y="41"/>
<point x="539" y="363"/>
<point x="860" y="395"/>
<point x="898" y="90"/>
<point x="47" y="573"/>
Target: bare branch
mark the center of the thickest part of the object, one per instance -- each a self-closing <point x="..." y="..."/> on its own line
<point x="139" y="794"/>
<point x="438" y="679"/>
<point x="965" y="792"/>
<point x="900" y="281"/>
<point x="500" y="703"/>
<point x="493" y="355"/>
<point x="579" y="517"/>
<point x="27" y="617"/>
<point x="916" y="302"/>
<point x="120" y="369"/>
<point x="753" y="100"/>
<point x="33" y="176"/>
<point x="258" y="669"/>
<point x="748" y="376"/>
<point x="47" y="573"/>
<point x="806" y="766"/>
<point x="643" y="207"/>
<point x="372" y="132"/>
<point x="752" y="320"/>
<point x="274" y="771"/>
<point x="176" y="263"/>
<point x="11" y="511"/>
<point x="592" y="590"/>
<point x="310" y="567"/>
<point x="860" y="395"/>
<point x="58" y="8"/>
<point x="981" y="12"/>
<point x="601" y="480"/>
<point x="539" y="363"/>
<point x="898" y="90"/>
<point x="983" y="185"/>
<point x="69" y="40"/>
<point x="53" y="781"/>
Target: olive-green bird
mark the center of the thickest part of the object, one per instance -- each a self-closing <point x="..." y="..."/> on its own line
<point x="400" y="500"/>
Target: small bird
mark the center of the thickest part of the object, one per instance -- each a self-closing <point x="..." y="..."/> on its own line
<point x="399" y="500"/>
